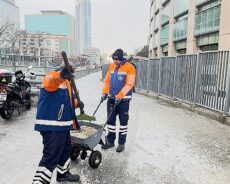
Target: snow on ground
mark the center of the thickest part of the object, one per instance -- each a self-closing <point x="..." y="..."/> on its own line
<point x="166" y="145"/>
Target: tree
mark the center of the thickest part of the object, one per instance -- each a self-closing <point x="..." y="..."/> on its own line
<point x="144" y="52"/>
<point x="5" y="27"/>
<point x="13" y="38"/>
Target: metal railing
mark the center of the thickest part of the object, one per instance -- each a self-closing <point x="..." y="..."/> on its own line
<point x="41" y="65"/>
<point x="201" y="79"/>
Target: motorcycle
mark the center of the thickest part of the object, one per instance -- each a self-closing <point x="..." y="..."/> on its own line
<point x="15" y="95"/>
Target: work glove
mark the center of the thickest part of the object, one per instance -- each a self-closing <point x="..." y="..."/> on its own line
<point x="81" y="105"/>
<point x="117" y="101"/>
<point x="104" y="97"/>
<point x="65" y="74"/>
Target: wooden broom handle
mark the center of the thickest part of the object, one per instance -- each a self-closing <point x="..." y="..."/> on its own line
<point x="64" y="56"/>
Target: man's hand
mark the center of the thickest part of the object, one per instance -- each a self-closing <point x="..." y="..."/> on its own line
<point x="65" y="74"/>
<point x="81" y="105"/>
<point x="117" y="101"/>
<point x="104" y="97"/>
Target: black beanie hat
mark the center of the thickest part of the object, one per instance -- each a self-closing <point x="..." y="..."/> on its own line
<point x="118" y="55"/>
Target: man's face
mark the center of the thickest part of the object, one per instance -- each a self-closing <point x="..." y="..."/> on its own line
<point x="117" y="62"/>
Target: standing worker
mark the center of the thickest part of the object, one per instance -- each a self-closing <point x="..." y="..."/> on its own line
<point x="55" y="114"/>
<point x="118" y="84"/>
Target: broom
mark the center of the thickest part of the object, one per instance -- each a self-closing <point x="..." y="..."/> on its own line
<point x="82" y="115"/>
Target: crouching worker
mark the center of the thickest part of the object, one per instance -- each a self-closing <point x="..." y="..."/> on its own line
<point x="55" y="114"/>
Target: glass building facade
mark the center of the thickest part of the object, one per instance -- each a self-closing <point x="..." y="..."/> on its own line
<point x="83" y="23"/>
<point x="194" y="25"/>
<point x="57" y="25"/>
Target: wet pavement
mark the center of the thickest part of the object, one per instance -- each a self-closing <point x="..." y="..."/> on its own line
<point x="166" y="145"/>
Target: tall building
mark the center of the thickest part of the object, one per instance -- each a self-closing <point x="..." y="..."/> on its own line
<point x="9" y="12"/>
<point x="55" y="23"/>
<point x="83" y="24"/>
<point x="188" y="26"/>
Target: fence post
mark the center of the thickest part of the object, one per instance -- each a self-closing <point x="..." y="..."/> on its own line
<point x="174" y="80"/>
<point x="196" y="79"/>
<point x="14" y="62"/>
<point x="227" y="97"/>
<point x="46" y="65"/>
<point x="159" y="78"/>
<point x="148" y="73"/>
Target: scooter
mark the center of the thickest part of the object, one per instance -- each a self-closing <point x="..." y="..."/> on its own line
<point x="16" y="95"/>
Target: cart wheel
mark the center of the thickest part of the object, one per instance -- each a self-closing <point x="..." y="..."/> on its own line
<point x="75" y="152"/>
<point x="95" y="159"/>
<point x="83" y="154"/>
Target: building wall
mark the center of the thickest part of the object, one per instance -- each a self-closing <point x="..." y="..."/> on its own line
<point x="8" y="10"/>
<point x="44" y="45"/>
<point x="188" y="26"/>
<point x="224" y="37"/>
<point x="53" y="24"/>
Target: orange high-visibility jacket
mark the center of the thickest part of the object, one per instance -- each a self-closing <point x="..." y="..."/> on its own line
<point x="55" y="110"/>
<point x="120" y="80"/>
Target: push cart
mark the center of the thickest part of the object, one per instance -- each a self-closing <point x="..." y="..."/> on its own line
<point x="80" y="146"/>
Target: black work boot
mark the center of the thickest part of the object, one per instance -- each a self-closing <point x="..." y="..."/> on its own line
<point x="107" y="145"/>
<point x="68" y="177"/>
<point x="120" y="148"/>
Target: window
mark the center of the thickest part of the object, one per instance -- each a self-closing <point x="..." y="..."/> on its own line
<point x="181" y="45"/>
<point x="156" y="22"/>
<point x="180" y="7"/>
<point x="48" y="42"/>
<point x="165" y="1"/>
<point x="198" y="2"/>
<point x="180" y="29"/>
<point x="201" y="2"/>
<point x="208" y="21"/>
<point x="209" y="39"/>
<point x="165" y="35"/>
<point x="165" y="14"/>
<point x="155" y="40"/>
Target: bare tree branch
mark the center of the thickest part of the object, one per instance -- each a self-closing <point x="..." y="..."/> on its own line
<point x="13" y="37"/>
<point x="5" y="26"/>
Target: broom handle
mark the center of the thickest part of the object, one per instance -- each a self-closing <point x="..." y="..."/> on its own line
<point x="110" y="114"/>
<point x="64" y="56"/>
<point x="97" y="108"/>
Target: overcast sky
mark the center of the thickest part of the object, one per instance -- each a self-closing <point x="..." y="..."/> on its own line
<point x="115" y="23"/>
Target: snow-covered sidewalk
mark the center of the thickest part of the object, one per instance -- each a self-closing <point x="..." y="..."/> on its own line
<point x="165" y="145"/>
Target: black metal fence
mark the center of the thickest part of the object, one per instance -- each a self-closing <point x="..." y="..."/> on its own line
<point x="202" y="79"/>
